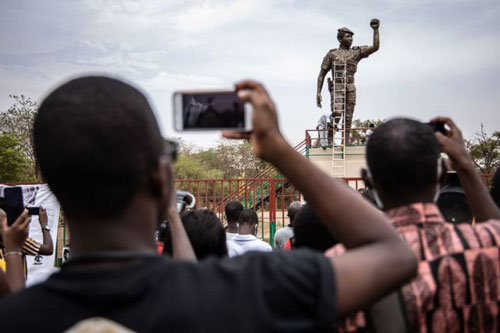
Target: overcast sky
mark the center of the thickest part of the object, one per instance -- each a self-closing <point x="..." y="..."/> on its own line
<point x="436" y="57"/>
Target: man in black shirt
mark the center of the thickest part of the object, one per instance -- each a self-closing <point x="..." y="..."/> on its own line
<point x="100" y="150"/>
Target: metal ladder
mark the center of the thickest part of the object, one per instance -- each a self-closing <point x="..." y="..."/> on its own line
<point x="339" y="104"/>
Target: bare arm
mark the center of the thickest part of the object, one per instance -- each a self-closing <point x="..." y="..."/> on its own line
<point x="375" y="251"/>
<point x="13" y="239"/>
<point x="4" y="285"/>
<point x="375" y="24"/>
<point x="47" y="248"/>
<point x="481" y="203"/>
<point x="181" y="246"/>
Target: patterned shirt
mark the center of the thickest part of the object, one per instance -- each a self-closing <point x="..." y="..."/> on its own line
<point x="457" y="284"/>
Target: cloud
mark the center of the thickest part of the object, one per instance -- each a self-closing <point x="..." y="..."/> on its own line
<point x="210" y="15"/>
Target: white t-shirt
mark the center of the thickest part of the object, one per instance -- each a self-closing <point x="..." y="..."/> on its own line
<point x="281" y="236"/>
<point x="241" y="244"/>
<point x="230" y="235"/>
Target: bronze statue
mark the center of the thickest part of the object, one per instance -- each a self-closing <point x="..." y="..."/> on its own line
<point x="344" y="59"/>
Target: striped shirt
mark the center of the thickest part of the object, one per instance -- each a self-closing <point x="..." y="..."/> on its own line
<point x="30" y="247"/>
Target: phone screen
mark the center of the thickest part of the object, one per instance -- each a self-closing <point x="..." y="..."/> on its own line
<point x="13" y="203"/>
<point x="209" y="110"/>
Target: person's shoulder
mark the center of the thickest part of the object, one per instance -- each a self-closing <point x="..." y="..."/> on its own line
<point x="360" y="50"/>
<point x="23" y="302"/>
<point x="280" y="232"/>
<point x="330" y="53"/>
<point x="279" y="258"/>
<point x="264" y="245"/>
<point x="493" y="227"/>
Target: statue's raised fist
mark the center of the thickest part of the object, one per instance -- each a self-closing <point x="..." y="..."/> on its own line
<point x="374" y="23"/>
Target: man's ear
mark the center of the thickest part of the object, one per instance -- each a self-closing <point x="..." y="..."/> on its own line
<point x="159" y="178"/>
<point x="366" y="178"/>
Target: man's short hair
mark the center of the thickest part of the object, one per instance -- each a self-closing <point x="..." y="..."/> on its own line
<point x="293" y="210"/>
<point x="402" y="155"/>
<point x="233" y="209"/>
<point x="342" y="31"/>
<point x="96" y="140"/>
<point x="248" y="216"/>
<point x="495" y="187"/>
<point x="205" y="232"/>
<point x="309" y="231"/>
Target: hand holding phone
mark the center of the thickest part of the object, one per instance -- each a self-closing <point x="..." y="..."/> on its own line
<point x="14" y="235"/>
<point x="452" y="142"/>
<point x="266" y="139"/>
<point x="437" y="126"/>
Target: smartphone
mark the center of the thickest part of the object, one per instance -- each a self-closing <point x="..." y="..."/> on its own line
<point x="33" y="210"/>
<point x="210" y="110"/>
<point x="13" y="203"/>
<point x="438" y="127"/>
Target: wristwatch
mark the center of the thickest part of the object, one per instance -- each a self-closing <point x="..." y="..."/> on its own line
<point x="46" y="228"/>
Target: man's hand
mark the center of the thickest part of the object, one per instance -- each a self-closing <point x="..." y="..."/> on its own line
<point x="42" y="217"/>
<point x="452" y="143"/>
<point x="318" y="100"/>
<point x="265" y="136"/>
<point x="482" y="205"/>
<point x="14" y="236"/>
<point x="375" y="24"/>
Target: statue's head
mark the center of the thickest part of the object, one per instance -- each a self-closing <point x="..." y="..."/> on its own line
<point x="344" y="36"/>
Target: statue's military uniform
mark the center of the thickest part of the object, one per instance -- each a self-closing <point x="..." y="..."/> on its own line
<point x="351" y="58"/>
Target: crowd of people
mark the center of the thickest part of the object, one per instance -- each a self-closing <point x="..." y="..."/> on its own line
<point x="387" y="264"/>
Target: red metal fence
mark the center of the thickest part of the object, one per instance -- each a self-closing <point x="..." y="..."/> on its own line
<point x="270" y="197"/>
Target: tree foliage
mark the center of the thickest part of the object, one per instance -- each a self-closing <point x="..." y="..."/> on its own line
<point x="485" y="151"/>
<point x="13" y="162"/>
<point x="17" y="121"/>
<point x="228" y="159"/>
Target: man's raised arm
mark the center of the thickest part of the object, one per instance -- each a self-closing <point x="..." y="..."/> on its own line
<point x="375" y="24"/>
<point x="377" y="261"/>
<point x="481" y="203"/>
<point x="47" y="248"/>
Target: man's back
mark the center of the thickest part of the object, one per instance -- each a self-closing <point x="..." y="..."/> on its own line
<point x="456" y="287"/>
<point x="158" y="294"/>
<point x="241" y="244"/>
<point x="458" y="275"/>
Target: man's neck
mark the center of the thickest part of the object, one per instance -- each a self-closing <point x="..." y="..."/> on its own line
<point x="247" y="230"/>
<point x="232" y="227"/>
<point x="391" y="201"/>
<point x="344" y="47"/>
<point x="132" y="231"/>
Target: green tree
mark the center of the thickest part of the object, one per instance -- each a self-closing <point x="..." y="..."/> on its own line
<point x="359" y="136"/>
<point x="485" y="151"/>
<point x="18" y="122"/>
<point x="13" y="162"/>
<point x="192" y="167"/>
<point x="227" y="160"/>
